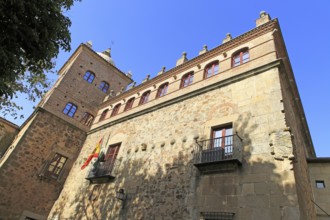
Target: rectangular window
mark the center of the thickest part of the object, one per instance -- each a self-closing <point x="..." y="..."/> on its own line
<point x="55" y="166"/>
<point x="112" y="152"/>
<point x="222" y="137"/>
<point x="320" y="184"/>
<point x="109" y="161"/>
<point x="70" y="109"/>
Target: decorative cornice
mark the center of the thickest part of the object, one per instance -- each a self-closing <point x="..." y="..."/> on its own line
<point x="194" y="93"/>
<point x="254" y="33"/>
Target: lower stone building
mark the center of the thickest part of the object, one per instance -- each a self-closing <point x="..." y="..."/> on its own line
<point x="319" y="169"/>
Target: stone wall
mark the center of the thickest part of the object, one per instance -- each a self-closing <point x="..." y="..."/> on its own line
<point x="22" y="185"/>
<point x="8" y="132"/>
<point x="156" y="160"/>
<point x="319" y="171"/>
<point x="297" y="126"/>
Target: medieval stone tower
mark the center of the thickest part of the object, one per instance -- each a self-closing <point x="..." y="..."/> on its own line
<point x="36" y="164"/>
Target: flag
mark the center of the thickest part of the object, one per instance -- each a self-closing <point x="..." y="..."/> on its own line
<point x="94" y="154"/>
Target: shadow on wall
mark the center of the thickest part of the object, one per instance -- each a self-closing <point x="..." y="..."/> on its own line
<point x="161" y="186"/>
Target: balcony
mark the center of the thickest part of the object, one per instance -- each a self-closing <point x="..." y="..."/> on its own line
<point x="219" y="154"/>
<point x="102" y="172"/>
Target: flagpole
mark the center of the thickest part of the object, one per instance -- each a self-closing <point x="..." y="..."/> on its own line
<point x="107" y="141"/>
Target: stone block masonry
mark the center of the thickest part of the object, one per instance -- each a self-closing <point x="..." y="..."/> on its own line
<point x="156" y="167"/>
<point x="22" y="187"/>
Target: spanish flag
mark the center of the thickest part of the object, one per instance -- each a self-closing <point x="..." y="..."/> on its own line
<point x="95" y="154"/>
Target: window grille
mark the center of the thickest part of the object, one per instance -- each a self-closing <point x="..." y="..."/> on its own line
<point x="218" y="215"/>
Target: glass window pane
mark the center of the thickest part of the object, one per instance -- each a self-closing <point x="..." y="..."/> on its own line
<point x="50" y="168"/>
<point x="191" y="79"/>
<point x="67" y="108"/>
<point x="216" y="68"/>
<point x="246" y="57"/>
<point x="57" y="171"/>
<point x="320" y="184"/>
<point x="87" y="74"/>
<point x="229" y="131"/>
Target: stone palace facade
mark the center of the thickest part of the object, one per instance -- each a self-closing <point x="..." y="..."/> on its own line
<point x="219" y="136"/>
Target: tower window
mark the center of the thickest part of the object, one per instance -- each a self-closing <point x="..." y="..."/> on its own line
<point x="211" y="69"/>
<point x="104" y="86"/>
<point x="70" y="109"/>
<point x="162" y="90"/>
<point x="187" y="79"/>
<point x="115" y="110"/>
<point x="129" y="104"/>
<point x="55" y="166"/>
<point x="240" y="57"/>
<point x="144" y="98"/>
<point x="87" y="119"/>
<point x="89" y="77"/>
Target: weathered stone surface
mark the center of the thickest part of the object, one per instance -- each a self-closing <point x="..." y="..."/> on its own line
<point x="8" y="131"/>
<point x="23" y="189"/>
<point x="161" y="180"/>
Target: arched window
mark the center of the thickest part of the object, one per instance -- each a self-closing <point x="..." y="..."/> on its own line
<point x="104" y="114"/>
<point x="104" y="86"/>
<point x="115" y="110"/>
<point x="89" y="77"/>
<point x="240" y="57"/>
<point x="211" y="69"/>
<point x="187" y="79"/>
<point x="87" y="119"/>
<point x="162" y="90"/>
<point x="129" y="104"/>
<point x="70" y="109"/>
<point x="144" y="98"/>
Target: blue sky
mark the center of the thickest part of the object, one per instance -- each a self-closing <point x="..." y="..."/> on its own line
<point x="145" y="35"/>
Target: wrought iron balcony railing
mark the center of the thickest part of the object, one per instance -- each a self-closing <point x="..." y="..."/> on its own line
<point x="103" y="171"/>
<point x="219" y="150"/>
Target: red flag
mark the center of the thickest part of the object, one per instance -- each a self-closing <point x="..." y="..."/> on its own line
<point x="95" y="153"/>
